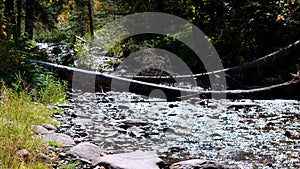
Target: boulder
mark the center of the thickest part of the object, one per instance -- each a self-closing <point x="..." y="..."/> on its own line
<point x="87" y="151"/>
<point x="134" y="160"/>
<point x="63" y="139"/>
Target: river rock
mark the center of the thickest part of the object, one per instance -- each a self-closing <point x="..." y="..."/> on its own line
<point x="42" y="157"/>
<point x="134" y="160"/>
<point x="62" y="139"/>
<point x="198" y="164"/>
<point x="22" y="154"/>
<point x="40" y="130"/>
<point x="87" y="151"/>
<point x="136" y="131"/>
<point x="49" y="127"/>
<point x="241" y="105"/>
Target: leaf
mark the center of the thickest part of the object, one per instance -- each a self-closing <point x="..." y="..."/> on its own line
<point x="280" y="18"/>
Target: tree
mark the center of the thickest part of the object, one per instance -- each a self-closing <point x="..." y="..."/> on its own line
<point x="29" y="18"/>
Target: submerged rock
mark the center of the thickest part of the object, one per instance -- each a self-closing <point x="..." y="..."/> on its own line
<point x="198" y="164"/>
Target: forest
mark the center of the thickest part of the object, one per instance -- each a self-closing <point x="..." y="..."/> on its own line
<point x="241" y="31"/>
<point x="43" y="43"/>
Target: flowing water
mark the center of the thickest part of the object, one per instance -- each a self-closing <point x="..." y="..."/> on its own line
<point x="242" y="133"/>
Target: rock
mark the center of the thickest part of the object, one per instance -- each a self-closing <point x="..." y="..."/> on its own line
<point x="173" y="105"/>
<point x="288" y="134"/>
<point x="40" y="130"/>
<point x="87" y="151"/>
<point x="198" y="164"/>
<point x="22" y="154"/>
<point x="194" y="100"/>
<point x="136" y="131"/>
<point x="134" y="160"/>
<point x="63" y="139"/>
<point x="241" y="105"/>
<point x="49" y="127"/>
<point x="123" y="107"/>
<point x="65" y="106"/>
<point x="42" y="157"/>
<point x="136" y="122"/>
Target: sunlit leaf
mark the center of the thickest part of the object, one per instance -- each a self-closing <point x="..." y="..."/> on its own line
<point x="280" y="18"/>
<point x="4" y="33"/>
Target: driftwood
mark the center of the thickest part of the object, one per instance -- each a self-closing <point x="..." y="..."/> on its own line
<point x="172" y="93"/>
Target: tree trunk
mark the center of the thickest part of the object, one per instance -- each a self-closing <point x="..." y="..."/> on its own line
<point x="91" y="19"/>
<point x="19" y="19"/>
<point x="29" y="18"/>
<point x="9" y="13"/>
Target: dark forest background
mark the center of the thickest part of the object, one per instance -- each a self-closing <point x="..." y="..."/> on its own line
<point x="240" y="30"/>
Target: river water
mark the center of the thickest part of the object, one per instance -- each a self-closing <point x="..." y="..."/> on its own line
<point x="242" y="133"/>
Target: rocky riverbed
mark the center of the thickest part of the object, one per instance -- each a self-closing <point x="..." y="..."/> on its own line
<point x="128" y="131"/>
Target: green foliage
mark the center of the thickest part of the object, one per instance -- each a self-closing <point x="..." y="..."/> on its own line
<point x="53" y="143"/>
<point x="18" y="114"/>
<point x="68" y="166"/>
<point x="51" y="91"/>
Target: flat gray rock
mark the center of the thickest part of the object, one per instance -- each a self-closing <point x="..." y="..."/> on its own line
<point x="198" y="164"/>
<point x="62" y="139"/>
<point x="87" y="151"/>
<point x="134" y="160"/>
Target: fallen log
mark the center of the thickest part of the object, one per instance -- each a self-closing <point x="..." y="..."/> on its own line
<point x="143" y="88"/>
<point x="97" y="79"/>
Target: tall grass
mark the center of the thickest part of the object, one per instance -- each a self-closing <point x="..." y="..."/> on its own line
<point x="19" y="112"/>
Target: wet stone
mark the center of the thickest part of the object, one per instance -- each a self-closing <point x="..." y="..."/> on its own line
<point x="198" y="164"/>
<point x="136" y="131"/>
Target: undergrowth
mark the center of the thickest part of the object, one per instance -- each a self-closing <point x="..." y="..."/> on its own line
<point x="20" y="110"/>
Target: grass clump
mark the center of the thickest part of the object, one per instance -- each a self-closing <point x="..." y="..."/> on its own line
<point x="53" y="143"/>
<point x="68" y="166"/>
<point x="20" y="110"/>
